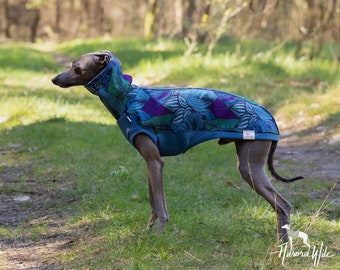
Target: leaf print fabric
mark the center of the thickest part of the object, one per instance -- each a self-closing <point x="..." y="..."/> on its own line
<point x="176" y="119"/>
<point x="191" y="109"/>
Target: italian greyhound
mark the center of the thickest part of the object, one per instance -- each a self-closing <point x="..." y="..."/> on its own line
<point x="185" y="127"/>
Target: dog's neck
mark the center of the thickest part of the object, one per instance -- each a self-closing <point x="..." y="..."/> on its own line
<point x="112" y="87"/>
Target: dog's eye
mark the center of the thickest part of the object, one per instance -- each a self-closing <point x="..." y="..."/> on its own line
<point x="77" y="70"/>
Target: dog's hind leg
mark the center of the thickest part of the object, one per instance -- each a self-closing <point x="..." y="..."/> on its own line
<point x="154" y="163"/>
<point x="252" y="159"/>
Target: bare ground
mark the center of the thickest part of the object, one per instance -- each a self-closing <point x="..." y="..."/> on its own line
<point x="26" y="205"/>
<point x="314" y="157"/>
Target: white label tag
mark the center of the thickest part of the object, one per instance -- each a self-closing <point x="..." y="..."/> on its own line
<point x="248" y="135"/>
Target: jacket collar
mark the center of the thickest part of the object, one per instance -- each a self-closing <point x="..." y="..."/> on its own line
<point x="103" y="80"/>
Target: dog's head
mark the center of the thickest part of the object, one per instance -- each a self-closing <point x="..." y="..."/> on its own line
<point x="84" y="69"/>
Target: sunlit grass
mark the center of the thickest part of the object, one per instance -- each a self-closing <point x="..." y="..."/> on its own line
<point x="312" y="109"/>
<point x="67" y="143"/>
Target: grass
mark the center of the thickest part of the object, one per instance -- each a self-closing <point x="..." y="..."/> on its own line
<point x="61" y="147"/>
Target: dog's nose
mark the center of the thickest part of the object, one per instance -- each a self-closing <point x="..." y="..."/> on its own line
<point x="60" y="81"/>
<point x="54" y="80"/>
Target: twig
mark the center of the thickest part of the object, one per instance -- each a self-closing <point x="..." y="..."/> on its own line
<point x="317" y="213"/>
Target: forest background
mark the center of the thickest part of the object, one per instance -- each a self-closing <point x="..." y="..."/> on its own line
<point x="73" y="193"/>
<point x="207" y="21"/>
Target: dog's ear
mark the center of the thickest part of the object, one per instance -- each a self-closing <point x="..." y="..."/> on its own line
<point x="108" y="56"/>
<point x="102" y="58"/>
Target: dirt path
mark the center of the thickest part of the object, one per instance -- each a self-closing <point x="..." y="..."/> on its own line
<point x="24" y="208"/>
<point x="319" y="146"/>
<point x="27" y="208"/>
<point x="314" y="158"/>
<point x="317" y="158"/>
<point x="313" y="155"/>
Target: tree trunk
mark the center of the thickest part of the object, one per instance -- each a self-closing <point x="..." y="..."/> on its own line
<point x="150" y="19"/>
<point x="58" y="16"/>
<point x="189" y="17"/>
<point x="7" y="19"/>
<point x="34" y="25"/>
<point x="178" y="29"/>
<point x="159" y="18"/>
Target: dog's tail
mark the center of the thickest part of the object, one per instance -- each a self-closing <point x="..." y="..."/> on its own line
<point x="271" y="167"/>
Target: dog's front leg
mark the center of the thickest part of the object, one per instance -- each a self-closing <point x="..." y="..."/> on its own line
<point x="154" y="163"/>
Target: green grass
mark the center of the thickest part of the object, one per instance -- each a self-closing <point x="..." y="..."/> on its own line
<point x="62" y="142"/>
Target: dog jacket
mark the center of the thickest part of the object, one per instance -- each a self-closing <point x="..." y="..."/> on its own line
<point x="177" y="119"/>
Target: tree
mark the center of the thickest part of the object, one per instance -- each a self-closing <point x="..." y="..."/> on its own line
<point x="229" y="13"/>
<point x="318" y="18"/>
<point x="303" y="21"/>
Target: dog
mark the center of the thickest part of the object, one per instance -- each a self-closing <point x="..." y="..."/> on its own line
<point x="167" y="121"/>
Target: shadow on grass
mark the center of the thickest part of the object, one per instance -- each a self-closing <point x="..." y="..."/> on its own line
<point x="83" y="207"/>
<point x="50" y="174"/>
<point x="88" y="190"/>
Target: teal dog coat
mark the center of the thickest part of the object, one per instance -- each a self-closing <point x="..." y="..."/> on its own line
<point x="177" y="119"/>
